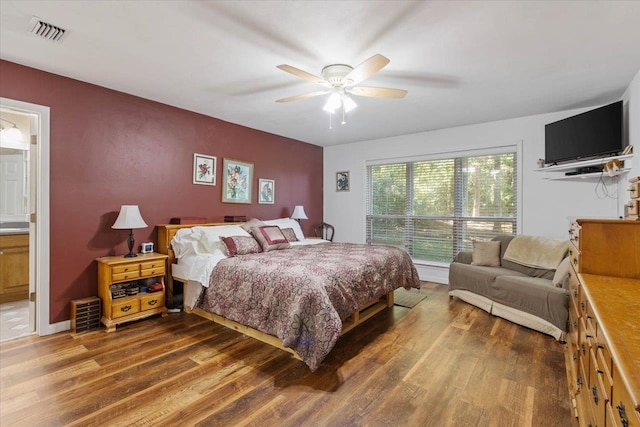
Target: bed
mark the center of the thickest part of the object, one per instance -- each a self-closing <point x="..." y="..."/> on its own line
<point x="300" y="297"/>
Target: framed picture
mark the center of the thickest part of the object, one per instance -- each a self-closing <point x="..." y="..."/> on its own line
<point x="204" y="169"/>
<point x="342" y="181"/>
<point x="266" y="189"/>
<point x="236" y="181"/>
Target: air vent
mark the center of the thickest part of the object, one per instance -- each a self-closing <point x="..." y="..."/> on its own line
<point x="45" y="30"/>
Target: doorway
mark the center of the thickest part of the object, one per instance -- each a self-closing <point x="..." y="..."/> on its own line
<point x="24" y="216"/>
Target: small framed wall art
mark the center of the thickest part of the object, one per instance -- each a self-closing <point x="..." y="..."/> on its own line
<point x="204" y="169"/>
<point x="342" y="181"/>
<point x="266" y="191"/>
<point x="236" y="181"/>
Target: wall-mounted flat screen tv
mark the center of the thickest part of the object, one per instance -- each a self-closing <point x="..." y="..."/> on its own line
<point x="595" y="133"/>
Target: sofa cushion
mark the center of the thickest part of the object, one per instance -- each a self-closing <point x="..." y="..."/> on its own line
<point x="528" y="271"/>
<point x="486" y="253"/>
<point x="535" y="296"/>
<point x="477" y="279"/>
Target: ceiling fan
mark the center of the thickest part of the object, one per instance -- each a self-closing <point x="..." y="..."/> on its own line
<point x="341" y="80"/>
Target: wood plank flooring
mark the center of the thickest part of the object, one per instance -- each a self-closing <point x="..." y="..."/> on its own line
<point x="442" y="363"/>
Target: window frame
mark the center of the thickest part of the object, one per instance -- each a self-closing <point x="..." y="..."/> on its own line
<point x="515" y="148"/>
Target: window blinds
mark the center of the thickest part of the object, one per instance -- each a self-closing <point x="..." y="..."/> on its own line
<point x="436" y="208"/>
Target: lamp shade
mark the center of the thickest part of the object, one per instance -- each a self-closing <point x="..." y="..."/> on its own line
<point x="298" y="213"/>
<point x="129" y="217"/>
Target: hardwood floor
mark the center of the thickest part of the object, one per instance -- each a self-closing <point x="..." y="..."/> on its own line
<point x="442" y="363"/>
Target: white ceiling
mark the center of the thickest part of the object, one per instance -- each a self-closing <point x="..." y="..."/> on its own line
<point x="462" y="62"/>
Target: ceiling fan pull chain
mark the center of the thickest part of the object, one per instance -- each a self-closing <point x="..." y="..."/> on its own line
<point x="343" y="121"/>
<point x="330" y="121"/>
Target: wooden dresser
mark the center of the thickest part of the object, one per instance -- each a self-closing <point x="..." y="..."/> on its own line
<point x="604" y="322"/>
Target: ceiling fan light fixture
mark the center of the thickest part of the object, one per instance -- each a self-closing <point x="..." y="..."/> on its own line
<point x="348" y="104"/>
<point x="333" y="103"/>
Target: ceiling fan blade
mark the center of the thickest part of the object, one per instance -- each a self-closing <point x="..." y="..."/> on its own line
<point x="306" y="95"/>
<point x="367" y="69"/>
<point x="304" y="75"/>
<point x="377" y="92"/>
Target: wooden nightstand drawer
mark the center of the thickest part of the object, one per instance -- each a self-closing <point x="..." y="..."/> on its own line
<point x="123" y="277"/>
<point x="128" y="268"/>
<point x="149" y="301"/>
<point x="152" y="265"/>
<point x="156" y="271"/>
<point x="126" y="307"/>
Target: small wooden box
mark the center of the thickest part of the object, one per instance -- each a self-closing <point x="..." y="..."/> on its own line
<point x="189" y="220"/>
<point x="85" y="314"/>
<point x="235" y="218"/>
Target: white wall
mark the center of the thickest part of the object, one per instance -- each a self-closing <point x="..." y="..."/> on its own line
<point x="546" y="205"/>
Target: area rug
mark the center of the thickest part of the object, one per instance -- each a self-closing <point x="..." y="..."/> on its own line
<point x="408" y="298"/>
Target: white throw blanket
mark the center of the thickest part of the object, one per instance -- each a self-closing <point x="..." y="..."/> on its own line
<point x="536" y="252"/>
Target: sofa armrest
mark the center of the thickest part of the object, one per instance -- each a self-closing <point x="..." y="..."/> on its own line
<point x="463" y="257"/>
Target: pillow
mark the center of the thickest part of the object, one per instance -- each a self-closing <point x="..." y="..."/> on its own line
<point x="209" y="238"/>
<point x="241" y="245"/>
<point x="270" y="237"/>
<point x="562" y="272"/>
<point x="486" y="253"/>
<point x="287" y="223"/>
<point x="185" y="242"/>
<point x="289" y="234"/>
<point x="253" y="222"/>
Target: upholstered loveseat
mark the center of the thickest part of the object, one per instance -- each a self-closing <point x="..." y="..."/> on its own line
<point x="535" y="297"/>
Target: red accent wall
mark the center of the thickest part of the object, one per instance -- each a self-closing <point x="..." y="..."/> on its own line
<point x="109" y="148"/>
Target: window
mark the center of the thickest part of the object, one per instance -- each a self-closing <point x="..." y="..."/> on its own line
<point x="436" y="208"/>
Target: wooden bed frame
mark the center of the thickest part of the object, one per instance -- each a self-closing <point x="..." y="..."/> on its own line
<point x="166" y="232"/>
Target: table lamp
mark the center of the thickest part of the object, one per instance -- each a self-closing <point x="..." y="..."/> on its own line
<point x="129" y="218"/>
<point x="298" y="213"/>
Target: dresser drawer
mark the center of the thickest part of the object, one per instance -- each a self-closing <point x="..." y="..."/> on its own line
<point x="574" y="256"/>
<point x="126" y="307"/>
<point x="573" y="326"/>
<point x="622" y="405"/>
<point x="150" y="301"/>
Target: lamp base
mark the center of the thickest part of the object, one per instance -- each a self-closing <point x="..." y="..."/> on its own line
<point x="130" y="242"/>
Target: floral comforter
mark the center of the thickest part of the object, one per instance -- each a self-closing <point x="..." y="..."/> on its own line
<point x="301" y="295"/>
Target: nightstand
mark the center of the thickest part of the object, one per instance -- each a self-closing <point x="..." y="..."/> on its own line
<point x="118" y="275"/>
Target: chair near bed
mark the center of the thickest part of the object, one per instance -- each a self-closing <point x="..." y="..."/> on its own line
<point x="324" y="231"/>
